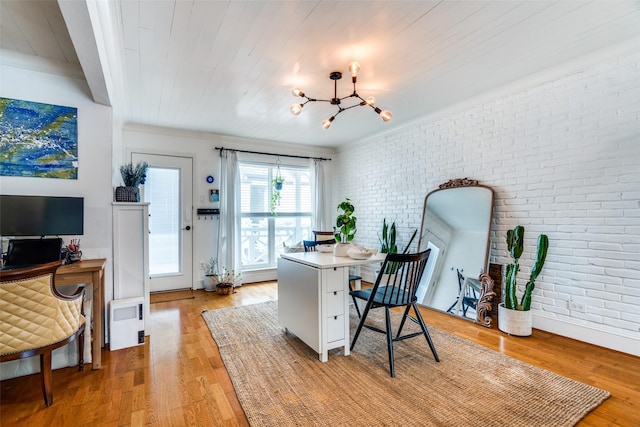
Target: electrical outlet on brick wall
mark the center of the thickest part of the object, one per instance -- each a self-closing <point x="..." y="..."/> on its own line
<point x="578" y="306"/>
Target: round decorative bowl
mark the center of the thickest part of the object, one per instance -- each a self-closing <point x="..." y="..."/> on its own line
<point x="325" y="248"/>
<point x="359" y="253"/>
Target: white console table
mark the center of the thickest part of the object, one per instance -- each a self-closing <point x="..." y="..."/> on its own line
<point x="313" y="298"/>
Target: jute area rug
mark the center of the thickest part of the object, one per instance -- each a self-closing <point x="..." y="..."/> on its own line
<point x="280" y="381"/>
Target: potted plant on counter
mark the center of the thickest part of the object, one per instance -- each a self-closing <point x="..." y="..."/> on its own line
<point x="345" y="229"/>
<point x="515" y="318"/>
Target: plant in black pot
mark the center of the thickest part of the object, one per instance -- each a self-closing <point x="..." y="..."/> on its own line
<point x="514" y="317"/>
<point x="132" y="176"/>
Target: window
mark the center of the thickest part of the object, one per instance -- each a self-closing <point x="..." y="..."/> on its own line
<point x="162" y="190"/>
<point x="263" y="234"/>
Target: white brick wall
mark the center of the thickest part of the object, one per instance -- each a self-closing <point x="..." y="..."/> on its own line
<point x="563" y="158"/>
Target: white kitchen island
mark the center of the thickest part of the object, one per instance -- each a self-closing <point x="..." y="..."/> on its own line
<point x="313" y="298"/>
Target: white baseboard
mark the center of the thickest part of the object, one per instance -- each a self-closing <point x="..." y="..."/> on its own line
<point x="626" y="342"/>
<point x="259" y="275"/>
<point x="250" y="277"/>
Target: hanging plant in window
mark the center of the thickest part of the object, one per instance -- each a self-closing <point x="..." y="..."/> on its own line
<point x="275" y="192"/>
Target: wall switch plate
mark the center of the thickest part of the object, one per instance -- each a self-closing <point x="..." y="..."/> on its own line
<point x="577" y="306"/>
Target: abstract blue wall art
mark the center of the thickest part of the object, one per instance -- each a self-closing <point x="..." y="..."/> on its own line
<point x="38" y="140"/>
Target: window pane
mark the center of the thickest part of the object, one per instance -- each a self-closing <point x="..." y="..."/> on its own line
<point x="291" y="230"/>
<point x="255" y="242"/>
<point x="264" y="234"/>
<point x="256" y="188"/>
<point x="162" y="190"/>
<point x="295" y="195"/>
<point x="254" y="181"/>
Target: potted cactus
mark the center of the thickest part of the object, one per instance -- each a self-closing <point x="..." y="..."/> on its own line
<point x="514" y="317"/>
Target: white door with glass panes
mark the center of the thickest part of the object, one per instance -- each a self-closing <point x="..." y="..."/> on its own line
<point x="168" y="189"/>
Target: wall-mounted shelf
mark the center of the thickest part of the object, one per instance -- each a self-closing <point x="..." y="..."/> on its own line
<point x="208" y="212"/>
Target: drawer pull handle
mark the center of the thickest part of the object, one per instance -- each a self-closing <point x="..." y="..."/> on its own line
<point x="335" y="317"/>
<point x="335" y="292"/>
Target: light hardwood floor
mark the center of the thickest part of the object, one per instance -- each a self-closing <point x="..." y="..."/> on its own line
<point x="177" y="378"/>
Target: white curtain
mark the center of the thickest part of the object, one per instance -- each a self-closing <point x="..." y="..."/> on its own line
<point x="319" y="197"/>
<point x="229" y="245"/>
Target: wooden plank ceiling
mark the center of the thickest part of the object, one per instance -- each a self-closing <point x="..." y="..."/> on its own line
<point x="228" y="66"/>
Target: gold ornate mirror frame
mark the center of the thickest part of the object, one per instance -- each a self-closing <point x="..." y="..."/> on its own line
<point x="480" y="206"/>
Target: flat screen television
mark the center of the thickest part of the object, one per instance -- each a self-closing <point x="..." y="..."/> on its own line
<point x="41" y="216"/>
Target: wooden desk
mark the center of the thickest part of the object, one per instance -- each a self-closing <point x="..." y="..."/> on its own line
<point x="313" y="298"/>
<point x="89" y="271"/>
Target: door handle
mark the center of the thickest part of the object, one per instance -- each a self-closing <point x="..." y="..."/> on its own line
<point x="188" y="227"/>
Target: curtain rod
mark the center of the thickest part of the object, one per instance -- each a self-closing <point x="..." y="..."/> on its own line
<point x="270" y="154"/>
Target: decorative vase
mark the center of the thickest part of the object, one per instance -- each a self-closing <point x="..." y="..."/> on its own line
<point x="515" y="322"/>
<point x="341" y="249"/>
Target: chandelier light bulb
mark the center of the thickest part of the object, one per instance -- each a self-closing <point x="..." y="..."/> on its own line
<point x="341" y="103"/>
<point x="354" y="69"/>
<point x="295" y="109"/>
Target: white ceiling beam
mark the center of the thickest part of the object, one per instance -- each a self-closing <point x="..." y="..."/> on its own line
<point x="78" y="20"/>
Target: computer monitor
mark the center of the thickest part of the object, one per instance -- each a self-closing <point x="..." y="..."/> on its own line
<point x="33" y="251"/>
<point x="31" y="216"/>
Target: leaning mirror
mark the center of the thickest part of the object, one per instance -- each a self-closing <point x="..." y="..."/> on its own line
<point x="456" y="221"/>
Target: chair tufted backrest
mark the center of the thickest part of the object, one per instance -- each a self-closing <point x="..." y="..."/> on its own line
<point x="32" y="313"/>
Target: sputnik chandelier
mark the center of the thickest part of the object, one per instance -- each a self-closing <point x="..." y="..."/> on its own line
<point x="354" y="68"/>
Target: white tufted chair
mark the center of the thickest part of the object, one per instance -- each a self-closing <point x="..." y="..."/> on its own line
<point x="35" y="319"/>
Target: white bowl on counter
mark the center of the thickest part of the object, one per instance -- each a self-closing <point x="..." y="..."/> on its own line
<point x="324" y="248"/>
<point x="357" y="252"/>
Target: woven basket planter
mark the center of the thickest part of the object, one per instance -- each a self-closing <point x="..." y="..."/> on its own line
<point x="127" y="194"/>
<point x="224" y="288"/>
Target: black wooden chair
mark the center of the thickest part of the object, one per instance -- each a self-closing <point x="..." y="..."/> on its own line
<point x="311" y="246"/>
<point x="396" y="286"/>
<point x="469" y="299"/>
